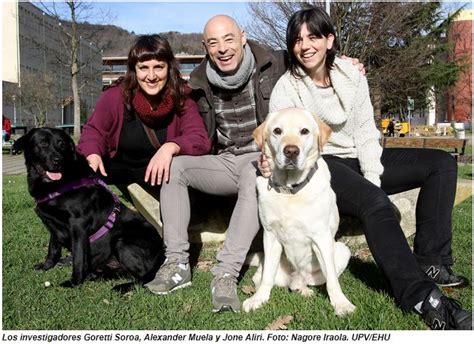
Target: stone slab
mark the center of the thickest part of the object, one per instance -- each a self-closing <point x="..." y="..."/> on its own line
<point x="211" y="225"/>
<point x="211" y="214"/>
<point x="146" y="205"/>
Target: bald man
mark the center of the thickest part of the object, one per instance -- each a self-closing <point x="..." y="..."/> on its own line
<point x="232" y="87"/>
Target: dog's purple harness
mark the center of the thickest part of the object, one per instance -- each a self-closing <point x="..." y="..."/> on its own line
<point x="82" y="183"/>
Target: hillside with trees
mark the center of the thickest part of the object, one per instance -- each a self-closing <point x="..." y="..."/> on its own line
<point x="115" y="41"/>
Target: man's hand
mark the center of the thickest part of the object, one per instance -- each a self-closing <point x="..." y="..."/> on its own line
<point x="158" y="169"/>
<point x="355" y="62"/>
<point x="95" y="162"/>
<point x="264" y="166"/>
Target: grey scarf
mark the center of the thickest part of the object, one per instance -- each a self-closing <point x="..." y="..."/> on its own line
<point x="232" y="82"/>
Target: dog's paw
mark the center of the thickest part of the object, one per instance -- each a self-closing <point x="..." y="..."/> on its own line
<point x="253" y="303"/>
<point x="68" y="284"/>
<point x="306" y="292"/>
<point x="43" y="266"/>
<point x="65" y="261"/>
<point x="39" y="266"/>
<point x="343" y="308"/>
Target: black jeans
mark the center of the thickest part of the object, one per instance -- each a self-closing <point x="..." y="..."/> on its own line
<point x="435" y="171"/>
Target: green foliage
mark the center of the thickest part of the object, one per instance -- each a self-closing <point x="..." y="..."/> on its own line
<point x="29" y="305"/>
<point x="403" y="45"/>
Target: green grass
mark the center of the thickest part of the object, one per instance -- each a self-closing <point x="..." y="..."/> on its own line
<point x="465" y="171"/>
<point x="29" y="305"/>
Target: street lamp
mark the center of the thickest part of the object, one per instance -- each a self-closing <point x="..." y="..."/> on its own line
<point x="410" y="108"/>
<point x="14" y="109"/>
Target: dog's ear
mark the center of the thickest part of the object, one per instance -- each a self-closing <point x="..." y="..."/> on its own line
<point x="259" y="135"/>
<point x="20" y="143"/>
<point x="324" y="131"/>
<point x="72" y="147"/>
<point x="70" y="143"/>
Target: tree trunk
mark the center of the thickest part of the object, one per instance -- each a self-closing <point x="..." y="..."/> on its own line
<point x="377" y="105"/>
<point x="77" y="103"/>
<point x="74" y="72"/>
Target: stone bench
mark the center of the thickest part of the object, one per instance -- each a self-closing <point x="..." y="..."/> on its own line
<point x="211" y="214"/>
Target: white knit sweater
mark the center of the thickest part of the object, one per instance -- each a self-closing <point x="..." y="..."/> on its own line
<point x="345" y="107"/>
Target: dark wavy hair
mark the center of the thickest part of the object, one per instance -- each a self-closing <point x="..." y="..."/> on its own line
<point x="319" y="24"/>
<point x="153" y="47"/>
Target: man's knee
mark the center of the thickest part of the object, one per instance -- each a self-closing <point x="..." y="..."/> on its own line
<point x="248" y="181"/>
<point x="181" y="164"/>
<point x="178" y="164"/>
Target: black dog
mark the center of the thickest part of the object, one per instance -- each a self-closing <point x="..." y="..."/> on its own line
<point x="82" y="214"/>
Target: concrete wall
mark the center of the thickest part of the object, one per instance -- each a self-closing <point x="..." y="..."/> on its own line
<point x="10" y="53"/>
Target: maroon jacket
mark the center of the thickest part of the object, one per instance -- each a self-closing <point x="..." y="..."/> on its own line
<point x="101" y="133"/>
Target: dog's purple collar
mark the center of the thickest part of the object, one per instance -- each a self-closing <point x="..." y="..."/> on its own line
<point x="77" y="184"/>
<point x="294" y="188"/>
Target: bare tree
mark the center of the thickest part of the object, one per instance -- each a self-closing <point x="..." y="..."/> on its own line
<point x="401" y="44"/>
<point x="36" y="95"/>
<point x="73" y="13"/>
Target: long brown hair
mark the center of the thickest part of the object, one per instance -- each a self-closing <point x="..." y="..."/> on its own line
<point x="154" y="47"/>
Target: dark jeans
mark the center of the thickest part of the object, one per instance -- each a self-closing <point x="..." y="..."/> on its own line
<point x="435" y="171"/>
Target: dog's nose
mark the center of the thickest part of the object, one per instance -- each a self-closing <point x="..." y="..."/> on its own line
<point x="56" y="160"/>
<point x="291" y="151"/>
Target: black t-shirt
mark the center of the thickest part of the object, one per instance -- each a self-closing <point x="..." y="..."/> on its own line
<point x="134" y="152"/>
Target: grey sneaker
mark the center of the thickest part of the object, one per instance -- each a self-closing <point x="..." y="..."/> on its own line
<point x="224" y="294"/>
<point x="171" y="276"/>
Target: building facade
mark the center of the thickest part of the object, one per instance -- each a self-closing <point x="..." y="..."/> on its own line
<point x="115" y="67"/>
<point x="41" y="59"/>
<point x="459" y="98"/>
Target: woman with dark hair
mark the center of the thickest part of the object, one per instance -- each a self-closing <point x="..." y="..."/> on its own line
<point x="362" y="174"/>
<point x="144" y="119"/>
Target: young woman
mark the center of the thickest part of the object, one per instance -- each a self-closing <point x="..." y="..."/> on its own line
<point x="363" y="174"/>
<point x="142" y="121"/>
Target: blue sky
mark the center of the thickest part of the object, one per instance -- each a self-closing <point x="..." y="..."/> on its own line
<point x="154" y="16"/>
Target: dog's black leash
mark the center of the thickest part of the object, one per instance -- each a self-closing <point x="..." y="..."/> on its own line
<point x="83" y="183"/>
<point x="293" y="188"/>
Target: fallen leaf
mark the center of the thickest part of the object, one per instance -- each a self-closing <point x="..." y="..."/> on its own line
<point x="107" y="302"/>
<point x="364" y="254"/>
<point x="205" y="265"/>
<point x="187" y="308"/>
<point x="448" y="290"/>
<point x="248" y="289"/>
<point x="280" y="323"/>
